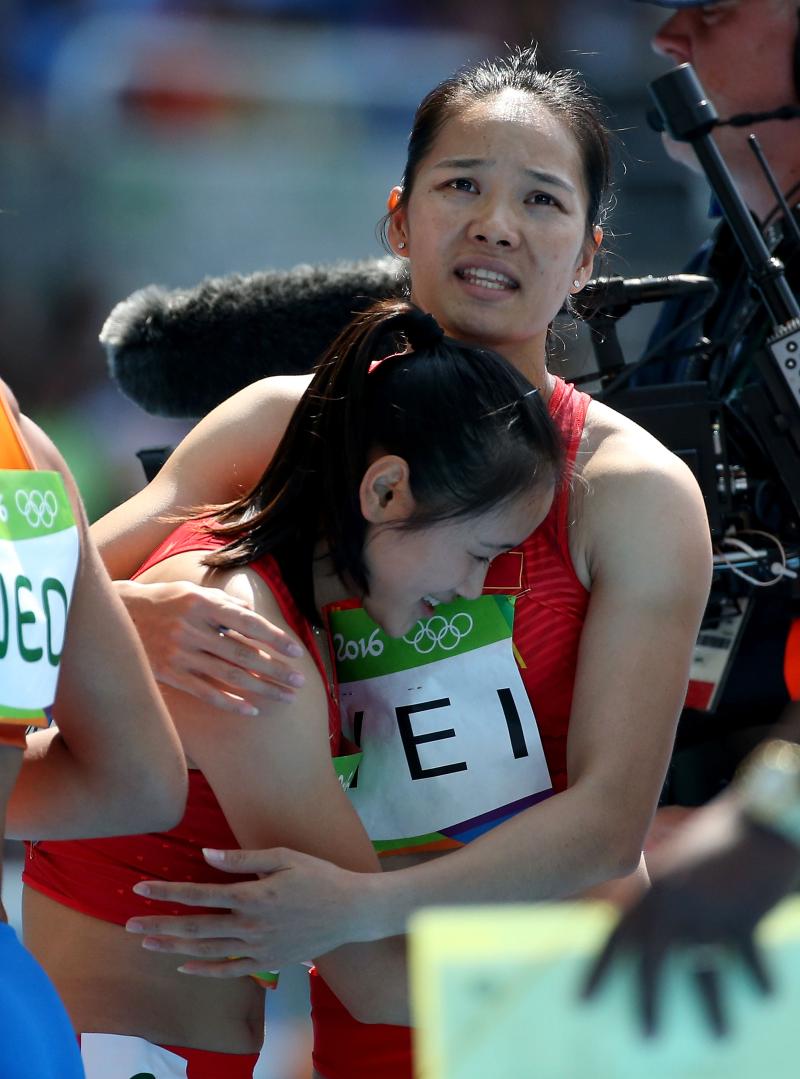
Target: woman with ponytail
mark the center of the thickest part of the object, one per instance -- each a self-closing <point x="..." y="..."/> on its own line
<point x="410" y="461"/>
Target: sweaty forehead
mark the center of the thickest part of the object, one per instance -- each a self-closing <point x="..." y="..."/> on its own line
<point x="512" y="107"/>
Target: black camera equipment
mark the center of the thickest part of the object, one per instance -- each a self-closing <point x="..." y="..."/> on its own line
<point x="685" y="416"/>
<point x="736" y="453"/>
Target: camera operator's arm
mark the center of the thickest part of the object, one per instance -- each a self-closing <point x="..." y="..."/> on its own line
<point x="197" y="639"/>
<point x="720" y="873"/>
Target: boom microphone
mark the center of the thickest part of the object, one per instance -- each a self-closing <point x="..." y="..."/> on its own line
<point x="619" y="294"/>
<point x="179" y="352"/>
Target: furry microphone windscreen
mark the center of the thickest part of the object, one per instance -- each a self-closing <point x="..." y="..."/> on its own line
<point x="180" y="352"/>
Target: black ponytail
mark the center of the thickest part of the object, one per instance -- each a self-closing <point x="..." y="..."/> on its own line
<point x="472" y="429"/>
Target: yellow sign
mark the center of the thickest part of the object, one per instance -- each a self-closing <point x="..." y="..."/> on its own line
<point x="495" y="996"/>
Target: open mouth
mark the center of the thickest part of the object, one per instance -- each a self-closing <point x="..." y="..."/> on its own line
<point x="493" y="280"/>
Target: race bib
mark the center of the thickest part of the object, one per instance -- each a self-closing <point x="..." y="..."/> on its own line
<point x="449" y="740"/>
<point x="122" y="1056"/>
<point x="39" y="549"/>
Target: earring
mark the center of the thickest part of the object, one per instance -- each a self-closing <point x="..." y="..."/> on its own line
<point x="401" y="245"/>
<point x="576" y="283"/>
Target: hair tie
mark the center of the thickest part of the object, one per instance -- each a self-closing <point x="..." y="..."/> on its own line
<point x="423" y="330"/>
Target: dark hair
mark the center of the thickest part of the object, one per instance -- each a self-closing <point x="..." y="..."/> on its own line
<point x="471" y="428"/>
<point x="564" y="93"/>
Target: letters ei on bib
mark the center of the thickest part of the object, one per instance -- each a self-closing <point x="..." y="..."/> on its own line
<point x="449" y="739"/>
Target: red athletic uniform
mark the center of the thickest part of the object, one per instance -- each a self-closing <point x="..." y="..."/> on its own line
<point x="548" y="621"/>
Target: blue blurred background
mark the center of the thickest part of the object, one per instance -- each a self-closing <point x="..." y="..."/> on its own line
<point x="166" y="140"/>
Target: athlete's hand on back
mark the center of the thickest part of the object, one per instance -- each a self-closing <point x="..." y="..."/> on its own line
<point x="212" y="646"/>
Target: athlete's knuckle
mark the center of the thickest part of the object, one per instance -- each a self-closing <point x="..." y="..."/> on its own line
<point x="242" y="655"/>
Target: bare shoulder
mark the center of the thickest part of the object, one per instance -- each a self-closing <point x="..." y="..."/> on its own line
<point x="634" y="498"/>
<point x="229" y="448"/>
<point x="620" y="463"/>
<point x="242" y="583"/>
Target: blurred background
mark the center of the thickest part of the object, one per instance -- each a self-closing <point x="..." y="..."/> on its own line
<point x="167" y="140"/>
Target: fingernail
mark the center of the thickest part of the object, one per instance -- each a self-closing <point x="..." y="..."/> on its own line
<point x="249" y="710"/>
<point x="289" y="698"/>
<point x="212" y="855"/>
<point x="294" y="650"/>
<point x="151" y="945"/>
<point x="141" y="889"/>
<point x="134" y="927"/>
<point x="296" y="679"/>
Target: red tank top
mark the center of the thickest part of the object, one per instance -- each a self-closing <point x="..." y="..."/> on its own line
<point x="551" y="604"/>
<point x="95" y="876"/>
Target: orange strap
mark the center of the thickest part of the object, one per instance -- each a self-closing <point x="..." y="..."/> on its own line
<point x="13" y="452"/>
<point x="12" y="734"/>
<point x="791" y="661"/>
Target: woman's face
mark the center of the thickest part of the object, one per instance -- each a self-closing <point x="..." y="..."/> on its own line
<point x="495" y="225"/>
<point x="411" y="570"/>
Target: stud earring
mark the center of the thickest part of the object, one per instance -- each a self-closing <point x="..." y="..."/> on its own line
<point x="401" y="245"/>
<point x="576" y="283"/>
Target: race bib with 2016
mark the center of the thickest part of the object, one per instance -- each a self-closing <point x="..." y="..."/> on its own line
<point x="449" y="739"/>
<point x="39" y="548"/>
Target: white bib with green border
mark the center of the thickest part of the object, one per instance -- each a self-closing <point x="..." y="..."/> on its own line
<point x="39" y="549"/>
<point x="449" y="739"/>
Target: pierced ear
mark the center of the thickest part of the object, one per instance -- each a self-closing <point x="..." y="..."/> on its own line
<point x="583" y="271"/>
<point x="396" y="231"/>
<point x="384" y="493"/>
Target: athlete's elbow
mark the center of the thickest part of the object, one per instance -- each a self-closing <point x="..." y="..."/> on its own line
<point x="157" y="798"/>
<point x="622" y="852"/>
<point x="628" y="857"/>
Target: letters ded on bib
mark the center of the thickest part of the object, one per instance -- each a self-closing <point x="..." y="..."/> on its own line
<point x="449" y="739"/>
<point x="39" y="548"/>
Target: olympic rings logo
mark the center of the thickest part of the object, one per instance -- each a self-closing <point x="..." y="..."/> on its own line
<point x="37" y="508"/>
<point x="440" y="632"/>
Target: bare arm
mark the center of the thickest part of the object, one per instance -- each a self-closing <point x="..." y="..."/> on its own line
<point x="115" y="760"/>
<point x="218" y="460"/>
<point x="275" y="781"/>
<point x="179" y="622"/>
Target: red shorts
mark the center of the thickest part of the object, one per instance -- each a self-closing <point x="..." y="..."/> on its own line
<point x="347" y="1049"/>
